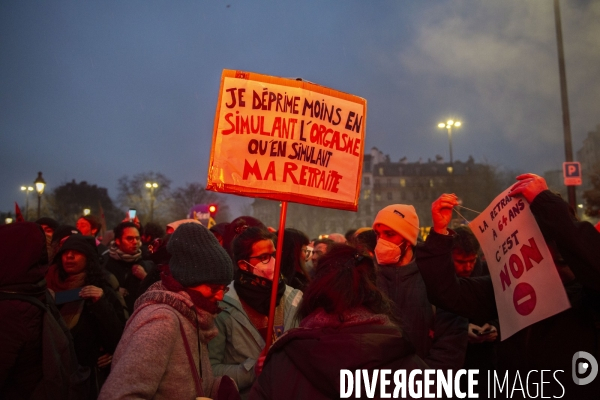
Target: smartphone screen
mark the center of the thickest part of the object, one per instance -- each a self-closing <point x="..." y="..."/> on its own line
<point x="67" y="296"/>
<point x="132" y="213"/>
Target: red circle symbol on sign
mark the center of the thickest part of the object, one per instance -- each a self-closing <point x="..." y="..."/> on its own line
<point x="524" y="298"/>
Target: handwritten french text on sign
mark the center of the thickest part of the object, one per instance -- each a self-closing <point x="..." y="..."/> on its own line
<point x="527" y="286"/>
<point x="287" y="140"/>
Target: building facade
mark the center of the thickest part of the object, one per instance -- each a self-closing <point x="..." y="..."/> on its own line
<point x="385" y="182"/>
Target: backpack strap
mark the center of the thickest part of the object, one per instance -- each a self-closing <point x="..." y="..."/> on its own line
<point x="18" y="296"/>
<point x="197" y="379"/>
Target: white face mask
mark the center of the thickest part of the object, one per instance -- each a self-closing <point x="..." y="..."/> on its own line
<point x="265" y="270"/>
<point x="388" y="253"/>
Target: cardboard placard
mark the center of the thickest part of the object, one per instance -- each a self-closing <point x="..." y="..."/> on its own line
<point x="527" y="286"/>
<point x="287" y="140"/>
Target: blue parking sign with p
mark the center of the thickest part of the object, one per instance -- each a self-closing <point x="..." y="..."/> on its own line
<point x="572" y="173"/>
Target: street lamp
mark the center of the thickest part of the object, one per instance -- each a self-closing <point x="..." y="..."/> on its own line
<point x="39" y="184"/>
<point x="26" y="189"/>
<point x="86" y="211"/>
<point x="152" y="186"/>
<point x="448" y="125"/>
<point x="8" y="220"/>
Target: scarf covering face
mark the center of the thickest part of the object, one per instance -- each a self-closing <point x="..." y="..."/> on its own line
<point x="72" y="310"/>
<point x="171" y="284"/>
<point x="256" y="291"/>
<point x="56" y="284"/>
<point x="158" y="293"/>
<point x="117" y="254"/>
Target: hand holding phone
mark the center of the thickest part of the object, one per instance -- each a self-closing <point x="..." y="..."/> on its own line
<point x="484" y="332"/>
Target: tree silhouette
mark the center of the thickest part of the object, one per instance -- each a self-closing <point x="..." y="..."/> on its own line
<point x="184" y="198"/>
<point x="67" y="202"/>
<point x="592" y="196"/>
<point x="133" y="193"/>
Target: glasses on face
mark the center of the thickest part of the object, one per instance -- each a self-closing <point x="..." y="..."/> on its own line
<point x="214" y="288"/>
<point x="264" y="258"/>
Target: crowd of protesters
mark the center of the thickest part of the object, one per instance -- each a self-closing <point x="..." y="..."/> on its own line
<point x="183" y="313"/>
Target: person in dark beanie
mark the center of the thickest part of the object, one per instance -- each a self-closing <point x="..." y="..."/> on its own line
<point x="96" y="317"/>
<point x="166" y="337"/>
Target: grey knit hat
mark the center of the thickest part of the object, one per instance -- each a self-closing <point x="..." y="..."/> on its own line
<point x="197" y="257"/>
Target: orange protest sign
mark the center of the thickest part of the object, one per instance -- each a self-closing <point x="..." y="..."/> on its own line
<point x="287" y="140"/>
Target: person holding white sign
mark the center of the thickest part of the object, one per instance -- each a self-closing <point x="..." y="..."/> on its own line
<point x="549" y="344"/>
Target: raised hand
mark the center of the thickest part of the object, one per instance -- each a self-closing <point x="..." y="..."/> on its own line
<point x="441" y="212"/>
<point x="529" y="185"/>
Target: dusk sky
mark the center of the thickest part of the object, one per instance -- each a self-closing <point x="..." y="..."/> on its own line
<point x="94" y="90"/>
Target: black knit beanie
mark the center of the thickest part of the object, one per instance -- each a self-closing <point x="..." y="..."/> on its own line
<point x="197" y="257"/>
<point x="79" y="243"/>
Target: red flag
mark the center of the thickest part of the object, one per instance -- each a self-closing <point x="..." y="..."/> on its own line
<point x="18" y="214"/>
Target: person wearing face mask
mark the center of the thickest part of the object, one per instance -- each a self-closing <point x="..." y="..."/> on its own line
<point x="439" y="337"/>
<point x="163" y="353"/>
<point x="243" y="323"/>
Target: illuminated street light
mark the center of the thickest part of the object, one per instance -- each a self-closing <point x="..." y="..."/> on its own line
<point x="39" y="184"/>
<point x="152" y="186"/>
<point x="8" y="221"/>
<point x="27" y="189"/>
<point x="448" y="125"/>
<point x="86" y="211"/>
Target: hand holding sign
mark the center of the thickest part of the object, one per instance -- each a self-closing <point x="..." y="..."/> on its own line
<point x="529" y="185"/>
<point x="441" y="212"/>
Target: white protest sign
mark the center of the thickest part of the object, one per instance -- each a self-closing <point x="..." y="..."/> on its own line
<point x="527" y="286"/>
<point x="287" y="140"/>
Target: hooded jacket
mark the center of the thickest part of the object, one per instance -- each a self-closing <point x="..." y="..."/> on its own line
<point x="305" y="362"/>
<point x="23" y="260"/>
<point x="151" y="361"/>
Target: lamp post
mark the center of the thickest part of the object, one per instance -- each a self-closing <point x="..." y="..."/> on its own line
<point x="152" y="186"/>
<point x="26" y="189"/>
<point x="448" y="125"/>
<point x="40" y="184"/>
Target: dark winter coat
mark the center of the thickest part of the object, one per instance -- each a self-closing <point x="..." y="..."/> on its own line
<point x="129" y="282"/>
<point x="22" y="268"/>
<point x="100" y="326"/>
<point x="305" y="363"/>
<point x="439" y="337"/>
